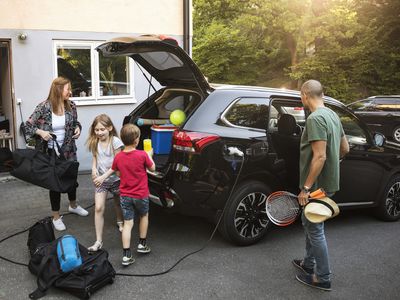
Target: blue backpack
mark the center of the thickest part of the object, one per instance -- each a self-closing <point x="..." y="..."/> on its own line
<point x="68" y="253"/>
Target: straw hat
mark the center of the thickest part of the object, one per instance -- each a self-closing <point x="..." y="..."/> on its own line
<point x="320" y="210"/>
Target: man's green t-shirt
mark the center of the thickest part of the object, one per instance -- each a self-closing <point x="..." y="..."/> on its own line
<point x="322" y="125"/>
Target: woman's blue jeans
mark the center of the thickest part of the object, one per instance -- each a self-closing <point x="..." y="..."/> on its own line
<point x="316" y="256"/>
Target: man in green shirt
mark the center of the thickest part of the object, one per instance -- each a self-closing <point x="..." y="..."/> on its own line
<point x="322" y="145"/>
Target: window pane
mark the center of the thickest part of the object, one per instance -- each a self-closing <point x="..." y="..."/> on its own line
<point x="114" y="75"/>
<point x="362" y="105"/>
<point x="162" y="60"/>
<point x="252" y="112"/>
<point x="355" y="134"/>
<point x="74" y="63"/>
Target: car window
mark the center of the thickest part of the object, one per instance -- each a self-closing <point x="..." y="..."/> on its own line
<point x="354" y="132"/>
<point x="280" y="107"/>
<point x="362" y="105"/>
<point x="387" y="104"/>
<point x="248" y="112"/>
<point x="162" y="60"/>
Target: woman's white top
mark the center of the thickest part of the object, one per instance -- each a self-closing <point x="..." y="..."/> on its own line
<point x="105" y="157"/>
<point x="58" y="124"/>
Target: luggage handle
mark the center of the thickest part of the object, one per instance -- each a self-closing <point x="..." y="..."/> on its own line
<point x="54" y="138"/>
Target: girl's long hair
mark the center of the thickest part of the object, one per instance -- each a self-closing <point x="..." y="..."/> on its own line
<point x="56" y="94"/>
<point x="92" y="140"/>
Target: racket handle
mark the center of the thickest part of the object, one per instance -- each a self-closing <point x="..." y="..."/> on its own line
<point x="320" y="193"/>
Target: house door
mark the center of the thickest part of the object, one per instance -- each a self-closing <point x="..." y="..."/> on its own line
<point x="7" y="109"/>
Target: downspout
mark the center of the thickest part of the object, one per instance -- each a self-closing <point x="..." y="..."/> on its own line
<point x="186" y="26"/>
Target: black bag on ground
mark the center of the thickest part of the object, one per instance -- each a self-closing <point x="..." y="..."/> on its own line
<point x="95" y="272"/>
<point x="40" y="233"/>
<point x="45" y="169"/>
<point x="6" y="159"/>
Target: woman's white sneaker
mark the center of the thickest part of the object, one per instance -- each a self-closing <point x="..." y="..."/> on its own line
<point x="79" y="210"/>
<point x="59" y="224"/>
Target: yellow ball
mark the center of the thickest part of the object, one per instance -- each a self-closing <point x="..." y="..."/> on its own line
<point x="177" y="117"/>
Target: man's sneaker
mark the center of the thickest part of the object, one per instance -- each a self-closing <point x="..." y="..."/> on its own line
<point x="298" y="263"/>
<point x="59" y="224"/>
<point x="143" y="249"/>
<point x="78" y="210"/>
<point x="126" y="261"/>
<point x="309" y="280"/>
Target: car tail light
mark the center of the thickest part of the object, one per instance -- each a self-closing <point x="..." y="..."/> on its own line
<point x="189" y="141"/>
<point x="298" y="108"/>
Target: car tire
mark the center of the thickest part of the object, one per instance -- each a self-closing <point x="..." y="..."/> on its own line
<point x="396" y="134"/>
<point x="245" y="220"/>
<point x="389" y="205"/>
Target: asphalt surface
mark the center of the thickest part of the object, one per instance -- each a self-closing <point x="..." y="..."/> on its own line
<point x="365" y="255"/>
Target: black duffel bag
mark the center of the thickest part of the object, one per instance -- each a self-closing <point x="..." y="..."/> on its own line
<point x="40" y="233"/>
<point x="95" y="272"/>
<point x="47" y="170"/>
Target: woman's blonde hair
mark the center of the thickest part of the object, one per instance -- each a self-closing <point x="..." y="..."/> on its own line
<point x="56" y="94"/>
<point x="92" y="140"/>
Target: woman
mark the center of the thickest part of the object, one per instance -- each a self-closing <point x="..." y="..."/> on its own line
<point x="57" y="115"/>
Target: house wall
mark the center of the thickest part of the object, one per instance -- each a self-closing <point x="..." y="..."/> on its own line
<point x="124" y="16"/>
<point x="44" y="21"/>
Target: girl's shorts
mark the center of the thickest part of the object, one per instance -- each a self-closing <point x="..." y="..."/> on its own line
<point x="106" y="186"/>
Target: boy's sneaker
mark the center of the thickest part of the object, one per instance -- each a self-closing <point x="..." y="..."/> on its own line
<point x="126" y="261"/>
<point x="298" y="263"/>
<point x="79" y="210"/>
<point x="143" y="249"/>
<point x="59" y="224"/>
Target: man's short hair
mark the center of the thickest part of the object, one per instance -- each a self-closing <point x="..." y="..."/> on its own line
<point x="129" y="134"/>
<point x="312" y="89"/>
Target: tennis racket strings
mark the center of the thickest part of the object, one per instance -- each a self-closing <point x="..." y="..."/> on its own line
<point x="282" y="208"/>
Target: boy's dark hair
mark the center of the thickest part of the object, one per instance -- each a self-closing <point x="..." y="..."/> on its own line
<point x="129" y="134"/>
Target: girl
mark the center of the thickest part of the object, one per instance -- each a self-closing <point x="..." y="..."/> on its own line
<point x="104" y="144"/>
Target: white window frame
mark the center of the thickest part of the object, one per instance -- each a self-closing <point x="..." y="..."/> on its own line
<point x="95" y="98"/>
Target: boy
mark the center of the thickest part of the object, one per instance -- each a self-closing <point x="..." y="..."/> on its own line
<point x="132" y="164"/>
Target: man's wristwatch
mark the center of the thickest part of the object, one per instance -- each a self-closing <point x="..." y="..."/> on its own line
<point x="306" y="189"/>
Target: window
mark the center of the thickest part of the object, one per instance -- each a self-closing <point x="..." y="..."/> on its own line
<point x="362" y="105"/>
<point x="248" y="112"/>
<point x="95" y="79"/>
<point x="387" y="104"/>
<point x="354" y="133"/>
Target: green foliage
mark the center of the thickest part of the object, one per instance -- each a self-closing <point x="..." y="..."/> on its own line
<point x="351" y="46"/>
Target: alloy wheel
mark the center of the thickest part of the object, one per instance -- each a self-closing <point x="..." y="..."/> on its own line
<point x="250" y="216"/>
<point x="393" y="200"/>
<point x="396" y="135"/>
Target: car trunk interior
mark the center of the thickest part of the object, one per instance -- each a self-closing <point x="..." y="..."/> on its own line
<point x="153" y="119"/>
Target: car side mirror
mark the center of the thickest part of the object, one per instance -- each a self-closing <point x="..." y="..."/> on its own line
<point x="379" y="139"/>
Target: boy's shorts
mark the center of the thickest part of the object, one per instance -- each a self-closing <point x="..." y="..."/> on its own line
<point x="130" y="206"/>
<point x="109" y="186"/>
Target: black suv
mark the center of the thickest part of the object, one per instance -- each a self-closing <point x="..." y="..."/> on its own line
<point x="381" y="113"/>
<point x="204" y="162"/>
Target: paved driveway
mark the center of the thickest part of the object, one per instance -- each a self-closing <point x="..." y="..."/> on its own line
<point x="364" y="254"/>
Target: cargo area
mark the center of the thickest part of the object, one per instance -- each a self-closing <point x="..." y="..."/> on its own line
<point x="155" y="122"/>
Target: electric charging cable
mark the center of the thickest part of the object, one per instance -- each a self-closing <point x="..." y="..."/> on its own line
<point x="233" y="151"/>
<point x="230" y="151"/>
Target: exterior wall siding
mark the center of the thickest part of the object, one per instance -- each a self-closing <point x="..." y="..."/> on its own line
<point x="126" y="16"/>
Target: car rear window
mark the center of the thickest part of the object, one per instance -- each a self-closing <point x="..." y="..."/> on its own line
<point x="162" y="60"/>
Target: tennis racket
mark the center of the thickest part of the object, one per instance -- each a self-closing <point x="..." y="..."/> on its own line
<point x="283" y="207"/>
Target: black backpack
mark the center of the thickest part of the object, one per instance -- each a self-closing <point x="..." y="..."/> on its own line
<point x="95" y="272"/>
<point x="41" y="232"/>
